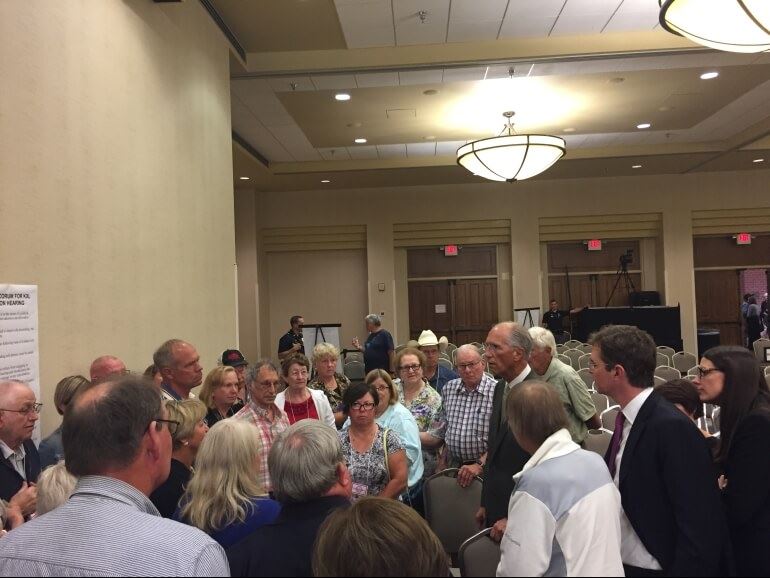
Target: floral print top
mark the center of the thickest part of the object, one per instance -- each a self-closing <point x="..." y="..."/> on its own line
<point x="369" y="470"/>
<point x="428" y="411"/>
<point x="334" y="397"/>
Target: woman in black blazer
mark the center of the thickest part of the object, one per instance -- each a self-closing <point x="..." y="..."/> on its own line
<point x="731" y="378"/>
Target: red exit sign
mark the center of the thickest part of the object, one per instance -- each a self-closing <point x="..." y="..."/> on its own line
<point x="594" y="244"/>
<point x="451" y="250"/>
<point x="743" y="238"/>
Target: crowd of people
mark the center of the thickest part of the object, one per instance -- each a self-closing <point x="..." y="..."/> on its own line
<point x="292" y="470"/>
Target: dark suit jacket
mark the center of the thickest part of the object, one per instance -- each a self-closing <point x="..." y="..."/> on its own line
<point x="10" y="480"/>
<point x="504" y="459"/>
<point x="669" y="491"/>
<point x="747" y="495"/>
<point x="285" y="547"/>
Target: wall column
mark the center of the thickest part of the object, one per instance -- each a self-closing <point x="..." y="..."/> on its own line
<point x="679" y="275"/>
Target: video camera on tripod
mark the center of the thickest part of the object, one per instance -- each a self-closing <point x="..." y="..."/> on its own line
<point x="626" y="259"/>
<point x="623" y="277"/>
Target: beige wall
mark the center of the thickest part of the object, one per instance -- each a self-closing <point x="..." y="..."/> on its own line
<point x="116" y="179"/>
<point x="668" y="262"/>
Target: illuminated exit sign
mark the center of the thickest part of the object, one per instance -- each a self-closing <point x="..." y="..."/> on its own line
<point x="451" y="250"/>
<point x="594" y="244"/>
<point x="743" y="238"/>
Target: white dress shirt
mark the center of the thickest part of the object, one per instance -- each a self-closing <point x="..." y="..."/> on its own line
<point x="632" y="549"/>
<point x="16" y="458"/>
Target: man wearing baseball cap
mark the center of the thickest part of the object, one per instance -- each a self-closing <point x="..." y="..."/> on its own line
<point x="436" y="374"/>
<point x="234" y="358"/>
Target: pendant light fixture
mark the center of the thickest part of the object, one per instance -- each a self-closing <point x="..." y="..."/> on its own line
<point x="729" y="25"/>
<point x="511" y="157"/>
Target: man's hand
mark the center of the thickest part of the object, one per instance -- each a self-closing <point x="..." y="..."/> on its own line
<point x="498" y="529"/>
<point x="467" y="473"/>
<point x="25" y="499"/>
<point x="357" y="344"/>
<point x="296" y="347"/>
<point x="481" y="518"/>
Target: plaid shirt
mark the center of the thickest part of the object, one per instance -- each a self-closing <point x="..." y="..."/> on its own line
<point x="468" y="414"/>
<point x="267" y="431"/>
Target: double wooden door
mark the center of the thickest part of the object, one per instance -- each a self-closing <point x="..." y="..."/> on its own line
<point x="718" y="303"/>
<point x="462" y="309"/>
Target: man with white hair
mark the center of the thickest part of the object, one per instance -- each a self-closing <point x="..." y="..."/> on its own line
<point x="19" y="460"/>
<point x="581" y="412"/>
<point x="468" y="403"/>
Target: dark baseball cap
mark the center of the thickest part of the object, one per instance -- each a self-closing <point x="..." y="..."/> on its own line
<point x="233" y="358"/>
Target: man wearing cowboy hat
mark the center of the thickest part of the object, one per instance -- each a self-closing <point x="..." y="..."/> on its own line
<point x="436" y="374"/>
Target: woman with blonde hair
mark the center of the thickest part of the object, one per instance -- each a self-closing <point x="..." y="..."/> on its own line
<point x="188" y="427"/>
<point x="51" y="448"/>
<point x="54" y="487"/>
<point x="220" y="394"/>
<point x="327" y="380"/>
<point x="225" y="496"/>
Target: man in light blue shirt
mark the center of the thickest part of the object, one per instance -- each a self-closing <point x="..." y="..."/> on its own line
<point x="117" y="440"/>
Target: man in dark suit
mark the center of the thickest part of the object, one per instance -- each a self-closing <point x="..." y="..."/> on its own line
<point x="507" y="350"/>
<point x="672" y="522"/>
<point x="19" y="460"/>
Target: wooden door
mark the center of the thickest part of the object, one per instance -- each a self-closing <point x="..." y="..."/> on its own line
<point x="718" y="303"/>
<point x="474" y="310"/>
<point x="430" y="307"/>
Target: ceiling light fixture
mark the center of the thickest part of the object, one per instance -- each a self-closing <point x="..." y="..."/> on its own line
<point x="342" y="96"/>
<point x="326" y="181"/>
<point x="244" y="178"/>
<point x="729" y="25"/>
<point x="709" y="75"/>
<point x="636" y="166"/>
<point x="758" y="160"/>
<point x="643" y="126"/>
<point x="360" y="141"/>
<point x="511" y="157"/>
<point x="569" y="129"/>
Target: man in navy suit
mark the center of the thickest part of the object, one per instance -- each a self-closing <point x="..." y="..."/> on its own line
<point x="19" y="460"/>
<point x="672" y="521"/>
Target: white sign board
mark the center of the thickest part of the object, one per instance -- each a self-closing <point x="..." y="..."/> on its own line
<point x="19" y="351"/>
<point x="313" y="334"/>
<point x="528" y="317"/>
<point x="441" y="308"/>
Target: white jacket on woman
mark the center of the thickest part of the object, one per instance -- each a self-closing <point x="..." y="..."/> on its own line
<point x="322" y="406"/>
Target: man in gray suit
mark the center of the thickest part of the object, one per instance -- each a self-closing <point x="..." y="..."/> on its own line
<point x="507" y="351"/>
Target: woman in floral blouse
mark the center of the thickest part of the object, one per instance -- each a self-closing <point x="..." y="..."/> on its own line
<point x="424" y="402"/>
<point x="333" y="384"/>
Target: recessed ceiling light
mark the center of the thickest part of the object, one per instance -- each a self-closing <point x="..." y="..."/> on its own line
<point x="569" y="130"/>
<point x="759" y="160"/>
<point x="709" y="75"/>
<point x="643" y="125"/>
<point x="429" y="137"/>
<point x="244" y="178"/>
<point x="430" y="92"/>
<point x="360" y="141"/>
<point x="342" y="96"/>
<point x="326" y="181"/>
<point x="636" y="166"/>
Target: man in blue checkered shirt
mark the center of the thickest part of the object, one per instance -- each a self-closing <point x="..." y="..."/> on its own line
<point x="468" y="404"/>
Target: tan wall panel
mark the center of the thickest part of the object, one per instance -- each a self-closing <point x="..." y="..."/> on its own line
<point x="323" y="286"/>
<point x="116" y="192"/>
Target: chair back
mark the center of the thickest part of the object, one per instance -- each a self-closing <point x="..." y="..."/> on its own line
<point x="574" y="357"/>
<point x="354" y="370"/>
<point x="597" y="441"/>
<point x="601" y="402"/>
<point x="668" y="373"/>
<point x="354" y="356"/>
<point x="658" y="380"/>
<point x="444" y="362"/>
<point x="583" y="361"/>
<point x="564" y="359"/>
<point x="479" y="555"/>
<point x="666" y="350"/>
<point x="684" y="361"/>
<point x="588" y="379"/>
<point x="585" y="348"/>
<point x="662" y="360"/>
<point x="450" y="510"/>
<point x="759" y="349"/>
<point x="560" y="349"/>
<point x="608" y="418"/>
<point x="572" y="344"/>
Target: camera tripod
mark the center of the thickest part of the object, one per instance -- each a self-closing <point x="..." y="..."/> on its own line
<point x="625" y="278"/>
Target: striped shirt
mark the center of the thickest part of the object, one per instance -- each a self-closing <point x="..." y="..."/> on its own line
<point x="109" y="528"/>
<point x="467" y="415"/>
<point x="267" y="430"/>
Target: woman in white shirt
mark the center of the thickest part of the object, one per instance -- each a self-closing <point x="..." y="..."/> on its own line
<point x="299" y="402"/>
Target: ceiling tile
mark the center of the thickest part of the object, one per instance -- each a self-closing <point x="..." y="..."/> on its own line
<point x="392" y="151"/>
<point x="634" y="15"/>
<point x="525" y="18"/>
<point x="410" y="30"/>
<point x="290" y="84"/>
<point x="475" y="20"/>
<point x="464" y="74"/>
<point x="334" y="81"/>
<point x="377" y="79"/>
<point x="448" y="148"/>
<point x="263" y="104"/>
<point x="417" y="77"/>
<point x="362" y="153"/>
<point x="585" y="16"/>
<point x="421" y="149"/>
<point x="294" y="140"/>
<point x="335" y="154"/>
<point x="366" y="23"/>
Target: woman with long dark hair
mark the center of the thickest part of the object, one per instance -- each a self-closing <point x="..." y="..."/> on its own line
<point x="731" y="378"/>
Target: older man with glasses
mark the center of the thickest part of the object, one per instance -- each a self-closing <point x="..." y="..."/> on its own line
<point x="468" y="403"/>
<point x="20" y="463"/>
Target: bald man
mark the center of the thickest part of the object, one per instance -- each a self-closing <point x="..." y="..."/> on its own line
<point x="106" y="366"/>
<point x="20" y="462"/>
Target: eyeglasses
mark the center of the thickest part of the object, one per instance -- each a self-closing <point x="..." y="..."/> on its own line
<point x="301" y="373"/>
<point x="466" y="366"/>
<point x="366" y="406"/>
<point x="703" y="371"/>
<point x="30" y="409"/>
<point x="410" y="367"/>
<point x="381" y="388"/>
<point x="172" y="426"/>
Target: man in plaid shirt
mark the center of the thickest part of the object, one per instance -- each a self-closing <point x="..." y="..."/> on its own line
<point x="468" y="405"/>
<point x="262" y="381"/>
